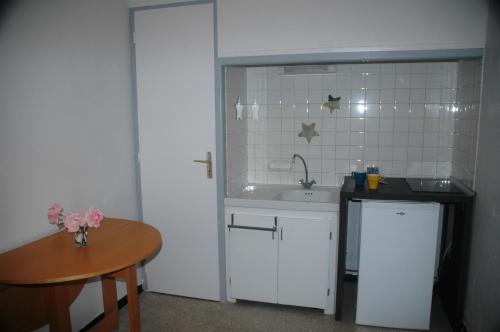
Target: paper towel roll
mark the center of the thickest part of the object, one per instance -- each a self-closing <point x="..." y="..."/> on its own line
<point x="280" y="165"/>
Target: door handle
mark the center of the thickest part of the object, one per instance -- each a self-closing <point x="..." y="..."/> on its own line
<point x="207" y="161"/>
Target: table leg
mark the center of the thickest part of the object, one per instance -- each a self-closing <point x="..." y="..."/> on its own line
<point x="134" y="319"/>
<point x="58" y="308"/>
<point x="110" y="301"/>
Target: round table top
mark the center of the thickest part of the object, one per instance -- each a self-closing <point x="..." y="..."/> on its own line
<point x="115" y="245"/>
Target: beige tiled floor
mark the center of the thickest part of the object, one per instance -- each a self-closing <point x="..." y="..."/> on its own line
<point x="161" y="312"/>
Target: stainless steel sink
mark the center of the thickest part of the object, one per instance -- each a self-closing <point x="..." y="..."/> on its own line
<point x="318" y="196"/>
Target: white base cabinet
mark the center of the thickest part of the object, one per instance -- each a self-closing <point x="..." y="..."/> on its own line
<point x="285" y="257"/>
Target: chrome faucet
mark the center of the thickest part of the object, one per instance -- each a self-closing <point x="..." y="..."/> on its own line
<point x="305" y="184"/>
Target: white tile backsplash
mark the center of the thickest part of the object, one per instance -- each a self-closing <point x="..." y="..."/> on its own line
<point x="408" y="118"/>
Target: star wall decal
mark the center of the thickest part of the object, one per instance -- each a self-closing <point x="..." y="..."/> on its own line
<point x="308" y="132"/>
<point x="332" y="103"/>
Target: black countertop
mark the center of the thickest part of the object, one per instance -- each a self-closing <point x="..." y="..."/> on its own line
<point x="398" y="189"/>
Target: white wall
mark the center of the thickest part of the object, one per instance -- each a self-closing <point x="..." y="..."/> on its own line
<point x="482" y="309"/>
<point x="266" y="27"/>
<point x="66" y="125"/>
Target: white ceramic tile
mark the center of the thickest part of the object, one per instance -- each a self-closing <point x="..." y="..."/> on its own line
<point x="386" y="139"/>
<point x="345" y="95"/>
<point x="430" y="140"/>
<point x="387" y="111"/>
<point x="316" y="96"/>
<point x="402" y="110"/>
<point x="429" y="154"/>
<point x="342" y="138"/>
<point x="417" y="110"/>
<point x="403" y="81"/>
<point x="357" y="138"/>
<point x="386" y="125"/>
<point x="402" y="95"/>
<point x="429" y="169"/>
<point x="343" y="124"/>
<point x="415" y="139"/>
<point x="328" y="137"/>
<point x="401" y="125"/>
<point x="415" y="153"/>
<point x="400" y="153"/>
<point x="398" y="168"/>
<point x="416" y="125"/>
<point x="342" y="166"/>
<point x="445" y="154"/>
<point x="417" y="95"/>
<point x="433" y="81"/>
<point x="372" y="124"/>
<point x="358" y="110"/>
<point x="357" y="124"/>
<point x="433" y="96"/>
<point x="358" y="81"/>
<point x="417" y="81"/>
<point x="372" y="81"/>
<point x="388" y="96"/>
<point x="372" y="110"/>
<point x="357" y="152"/>
<point x="372" y="96"/>
<point x="342" y="152"/>
<point x="358" y="96"/>
<point x="401" y="139"/>
<point x="387" y="81"/>
<point x="371" y="139"/>
<point x="329" y="82"/>
<point x="371" y="153"/>
<point x="446" y="125"/>
<point x="328" y="151"/>
<point x="431" y="125"/>
<point x="385" y="153"/>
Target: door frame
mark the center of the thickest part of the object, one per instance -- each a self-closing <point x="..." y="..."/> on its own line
<point x="220" y="148"/>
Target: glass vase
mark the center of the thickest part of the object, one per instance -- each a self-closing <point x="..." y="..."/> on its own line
<point x="81" y="236"/>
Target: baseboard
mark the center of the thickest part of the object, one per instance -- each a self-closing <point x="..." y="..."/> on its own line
<point x="121" y="303"/>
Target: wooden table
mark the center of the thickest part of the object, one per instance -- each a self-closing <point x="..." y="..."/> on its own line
<point x="50" y="272"/>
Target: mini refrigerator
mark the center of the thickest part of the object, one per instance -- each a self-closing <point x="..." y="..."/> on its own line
<point x="396" y="263"/>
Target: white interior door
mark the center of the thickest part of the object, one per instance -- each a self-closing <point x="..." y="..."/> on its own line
<point x="176" y="114"/>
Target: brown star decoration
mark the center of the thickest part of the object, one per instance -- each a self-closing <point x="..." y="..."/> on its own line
<point x="308" y="132"/>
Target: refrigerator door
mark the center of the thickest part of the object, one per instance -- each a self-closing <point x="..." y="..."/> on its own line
<point x="396" y="265"/>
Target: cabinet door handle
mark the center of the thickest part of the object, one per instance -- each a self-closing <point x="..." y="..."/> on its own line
<point x="281" y="233"/>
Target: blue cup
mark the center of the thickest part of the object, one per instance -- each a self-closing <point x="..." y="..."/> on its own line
<point x="359" y="178"/>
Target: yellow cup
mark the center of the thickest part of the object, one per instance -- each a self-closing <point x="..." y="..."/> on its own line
<point x="373" y="181"/>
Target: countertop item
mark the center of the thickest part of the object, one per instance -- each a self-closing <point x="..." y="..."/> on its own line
<point x="59" y="268"/>
<point x="457" y="226"/>
<point x="267" y="196"/>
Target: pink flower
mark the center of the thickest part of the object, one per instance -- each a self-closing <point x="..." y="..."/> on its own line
<point x="54" y="213"/>
<point x="73" y="221"/>
<point x="94" y="217"/>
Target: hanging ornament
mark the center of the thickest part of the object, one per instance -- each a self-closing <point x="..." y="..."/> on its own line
<point x="308" y="132"/>
<point x="239" y="109"/>
<point x="332" y="103"/>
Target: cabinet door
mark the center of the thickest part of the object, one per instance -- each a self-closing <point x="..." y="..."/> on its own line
<point x="303" y="262"/>
<point x="253" y="258"/>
